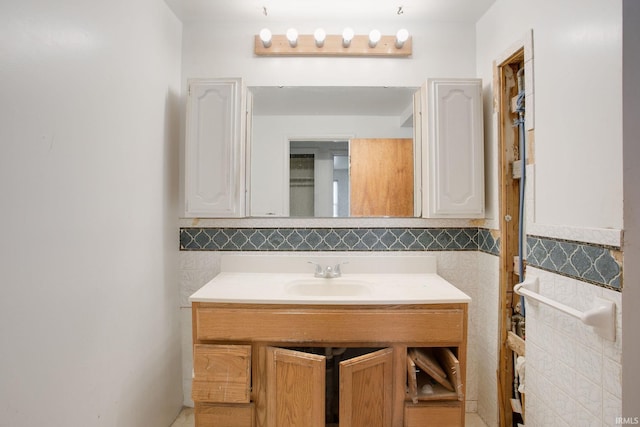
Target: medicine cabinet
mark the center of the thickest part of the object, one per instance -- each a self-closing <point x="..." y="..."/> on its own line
<point x="230" y="173"/>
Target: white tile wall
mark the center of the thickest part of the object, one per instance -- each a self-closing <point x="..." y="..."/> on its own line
<point x="196" y="269"/>
<point x="460" y="269"/>
<point x="573" y="376"/>
<point x="487" y="344"/>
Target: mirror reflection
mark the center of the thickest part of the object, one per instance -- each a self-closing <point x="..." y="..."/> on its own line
<point x="332" y="151"/>
<point x="319" y="178"/>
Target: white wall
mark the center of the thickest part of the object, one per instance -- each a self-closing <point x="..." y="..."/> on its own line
<point x="214" y="49"/>
<point x="89" y="122"/>
<point x="578" y="108"/>
<point x="573" y="376"/>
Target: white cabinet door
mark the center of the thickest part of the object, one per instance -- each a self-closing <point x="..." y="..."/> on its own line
<point x="214" y="149"/>
<point x="453" y="157"/>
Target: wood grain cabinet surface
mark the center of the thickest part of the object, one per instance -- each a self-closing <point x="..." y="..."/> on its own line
<point x="269" y="368"/>
<point x="222" y="373"/>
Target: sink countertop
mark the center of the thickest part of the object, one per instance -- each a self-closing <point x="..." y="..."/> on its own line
<point x="272" y="288"/>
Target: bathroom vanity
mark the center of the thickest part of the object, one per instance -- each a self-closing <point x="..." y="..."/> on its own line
<point x="289" y="349"/>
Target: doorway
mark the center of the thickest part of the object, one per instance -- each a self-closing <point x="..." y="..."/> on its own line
<point x="319" y="178"/>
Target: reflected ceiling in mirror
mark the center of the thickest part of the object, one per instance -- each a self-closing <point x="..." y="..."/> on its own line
<point x="331" y="100"/>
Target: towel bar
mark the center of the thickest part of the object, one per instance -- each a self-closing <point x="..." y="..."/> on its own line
<point x="602" y="317"/>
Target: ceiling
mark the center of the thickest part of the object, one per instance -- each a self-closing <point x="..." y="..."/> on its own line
<point x="322" y="10"/>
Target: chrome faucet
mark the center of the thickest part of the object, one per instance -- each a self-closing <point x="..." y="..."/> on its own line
<point x="327" y="271"/>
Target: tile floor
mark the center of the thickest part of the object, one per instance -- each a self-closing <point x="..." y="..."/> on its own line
<point x="185" y="419"/>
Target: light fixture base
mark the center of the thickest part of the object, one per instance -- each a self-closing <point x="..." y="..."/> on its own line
<point x="359" y="46"/>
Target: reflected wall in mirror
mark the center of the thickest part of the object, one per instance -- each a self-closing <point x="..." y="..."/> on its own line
<point x="296" y="129"/>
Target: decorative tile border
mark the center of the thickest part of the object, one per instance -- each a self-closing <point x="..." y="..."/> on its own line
<point x="487" y="243"/>
<point x="590" y="263"/>
<point x="329" y="239"/>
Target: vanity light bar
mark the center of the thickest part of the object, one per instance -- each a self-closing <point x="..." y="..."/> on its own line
<point x="322" y="44"/>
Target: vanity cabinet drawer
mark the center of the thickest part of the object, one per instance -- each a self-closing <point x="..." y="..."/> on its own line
<point x="277" y="324"/>
<point x="222" y="373"/>
<point x="440" y="414"/>
<point x="216" y="415"/>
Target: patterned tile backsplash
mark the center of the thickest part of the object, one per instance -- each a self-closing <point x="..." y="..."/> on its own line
<point x="595" y="264"/>
<point x="487" y="243"/>
<point x="329" y="239"/>
<point x="590" y="263"/>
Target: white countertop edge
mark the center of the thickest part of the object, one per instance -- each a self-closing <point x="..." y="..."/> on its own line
<point x="336" y="302"/>
<point x="270" y="288"/>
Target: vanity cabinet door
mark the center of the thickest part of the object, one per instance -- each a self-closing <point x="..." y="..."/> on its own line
<point x="453" y="149"/>
<point x="366" y="390"/>
<point x="295" y="390"/>
<point x="214" y="149"/>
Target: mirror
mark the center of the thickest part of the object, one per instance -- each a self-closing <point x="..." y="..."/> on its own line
<point x="302" y="143"/>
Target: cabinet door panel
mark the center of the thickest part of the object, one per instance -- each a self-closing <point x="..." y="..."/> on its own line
<point x="214" y="150"/>
<point x="454" y="158"/>
<point x="295" y="390"/>
<point x="366" y="390"/>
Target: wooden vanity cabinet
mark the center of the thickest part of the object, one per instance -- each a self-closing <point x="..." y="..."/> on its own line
<point x="251" y="367"/>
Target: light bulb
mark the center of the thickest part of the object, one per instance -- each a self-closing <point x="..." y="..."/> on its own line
<point x="401" y="37"/>
<point x="347" y="36"/>
<point x="319" y="35"/>
<point x="292" y="36"/>
<point x="374" y="38"/>
<point x="265" y="36"/>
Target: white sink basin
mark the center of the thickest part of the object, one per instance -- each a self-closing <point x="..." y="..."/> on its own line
<point x="328" y="287"/>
